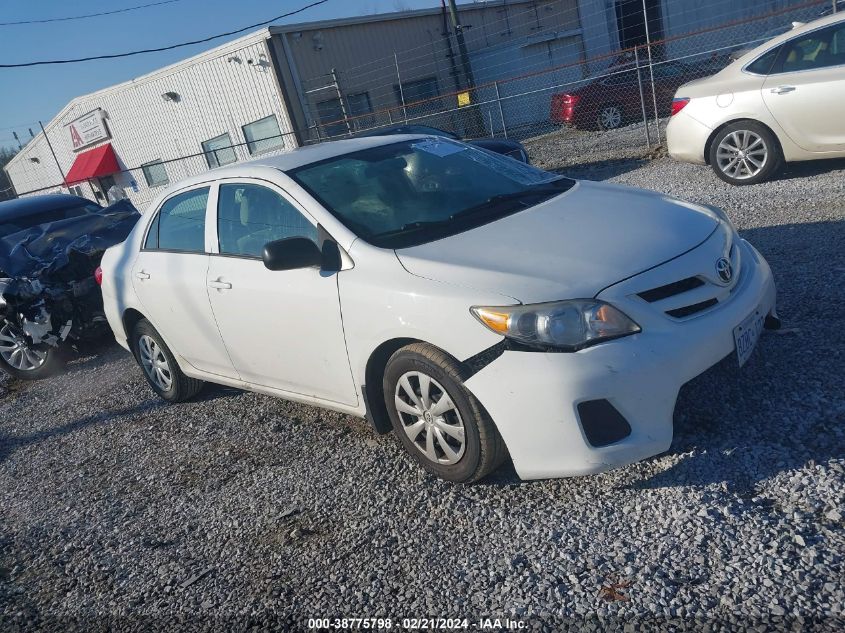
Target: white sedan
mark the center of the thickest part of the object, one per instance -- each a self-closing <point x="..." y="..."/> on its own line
<point x="477" y="306"/>
<point x="780" y="102"/>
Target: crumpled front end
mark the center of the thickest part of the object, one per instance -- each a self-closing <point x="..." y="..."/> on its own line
<point x="564" y="414"/>
<point x="47" y="288"/>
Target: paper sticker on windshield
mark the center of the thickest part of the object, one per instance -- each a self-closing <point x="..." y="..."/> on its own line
<point x="438" y="148"/>
<point x="516" y="170"/>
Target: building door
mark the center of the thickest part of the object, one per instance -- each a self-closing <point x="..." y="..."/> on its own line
<point x="106" y="183"/>
<point x="631" y="24"/>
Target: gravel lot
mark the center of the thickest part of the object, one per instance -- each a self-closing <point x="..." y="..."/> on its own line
<point x="242" y="509"/>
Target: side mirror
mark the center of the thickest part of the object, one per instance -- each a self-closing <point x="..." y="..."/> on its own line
<point x="291" y="253"/>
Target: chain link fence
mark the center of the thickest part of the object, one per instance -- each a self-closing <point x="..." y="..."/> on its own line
<point x="619" y="100"/>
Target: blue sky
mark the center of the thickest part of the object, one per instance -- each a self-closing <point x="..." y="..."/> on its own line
<point x="30" y="94"/>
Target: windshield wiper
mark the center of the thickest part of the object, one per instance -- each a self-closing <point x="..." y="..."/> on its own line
<point x="414" y="226"/>
<point x="488" y="207"/>
<point x="526" y="196"/>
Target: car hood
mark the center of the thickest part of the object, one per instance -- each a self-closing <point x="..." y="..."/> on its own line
<point x="572" y="246"/>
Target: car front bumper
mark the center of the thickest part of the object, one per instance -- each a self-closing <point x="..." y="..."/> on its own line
<point x="533" y="397"/>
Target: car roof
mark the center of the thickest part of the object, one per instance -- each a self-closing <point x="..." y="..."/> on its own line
<point x="299" y="157"/>
<point x="752" y="54"/>
<point x="21" y="207"/>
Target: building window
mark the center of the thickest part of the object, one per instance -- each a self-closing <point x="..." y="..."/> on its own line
<point x="219" y="151"/>
<point x="330" y="113"/>
<point x="263" y="135"/>
<point x="359" y="105"/>
<point x="419" y="90"/>
<point x="154" y="173"/>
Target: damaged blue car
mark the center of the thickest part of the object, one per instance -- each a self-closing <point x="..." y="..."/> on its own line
<point x="50" y="301"/>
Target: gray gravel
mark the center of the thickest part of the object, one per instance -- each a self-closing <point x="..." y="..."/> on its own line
<point x="239" y="509"/>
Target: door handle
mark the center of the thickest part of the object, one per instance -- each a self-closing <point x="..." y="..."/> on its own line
<point x="220" y="285"/>
<point x="142" y="274"/>
<point x="780" y="90"/>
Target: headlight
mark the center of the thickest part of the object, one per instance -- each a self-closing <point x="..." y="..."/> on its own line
<point x="562" y="325"/>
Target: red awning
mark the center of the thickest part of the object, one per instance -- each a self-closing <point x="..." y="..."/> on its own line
<point x="99" y="161"/>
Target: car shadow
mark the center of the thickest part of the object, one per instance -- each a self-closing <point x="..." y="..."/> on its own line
<point x="601" y="170"/>
<point x="808" y="169"/>
<point x="784" y="409"/>
<point x="98" y="353"/>
<point x="11" y="443"/>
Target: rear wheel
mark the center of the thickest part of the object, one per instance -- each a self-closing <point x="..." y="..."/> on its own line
<point x="21" y="359"/>
<point x="610" y="116"/>
<point x="745" y="153"/>
<point x="160" y="367"/>
<point x="439" y="422"/>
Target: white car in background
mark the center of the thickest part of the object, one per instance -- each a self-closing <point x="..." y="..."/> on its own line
<point x="474" y="304"/>
<point x="782" y="101"/>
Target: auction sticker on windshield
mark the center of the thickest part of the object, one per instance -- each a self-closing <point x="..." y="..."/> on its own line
<point x="438" y="147"/>
<point x="747" y="333"/>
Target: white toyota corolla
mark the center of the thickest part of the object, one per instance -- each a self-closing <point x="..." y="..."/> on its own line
<point x="477" y="306"/>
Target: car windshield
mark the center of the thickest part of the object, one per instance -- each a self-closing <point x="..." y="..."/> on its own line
<point x="20" y="223"/>
<point x="417" y="191"/>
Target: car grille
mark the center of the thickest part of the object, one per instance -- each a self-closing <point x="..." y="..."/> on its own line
<point x="694" y="294"/>
<point x="680" y="313"/>
<point x="670" y="290"/>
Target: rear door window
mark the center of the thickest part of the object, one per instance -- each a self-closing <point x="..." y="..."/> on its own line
<point x="180" y="223"/>
<point x="819" y="49"/>
<point x="763" y="64"/>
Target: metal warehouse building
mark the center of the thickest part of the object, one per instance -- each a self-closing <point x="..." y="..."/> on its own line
<point x="269" y="91"/>
<point x="282" y="87"/>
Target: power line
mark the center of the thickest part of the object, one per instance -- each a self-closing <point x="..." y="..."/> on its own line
<point x="164" y="48"/>
<point x="89" y="15"/>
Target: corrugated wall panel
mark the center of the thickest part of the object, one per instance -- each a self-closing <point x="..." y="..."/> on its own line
<point x="219" y="94"/>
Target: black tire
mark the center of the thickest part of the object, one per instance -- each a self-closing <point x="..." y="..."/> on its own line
<point x="483" y="447"/>
<point x="615" y="116"/>
<point x="773" y="158"/>
<point x="53" y="364"/>
<point x="182" y="387"/>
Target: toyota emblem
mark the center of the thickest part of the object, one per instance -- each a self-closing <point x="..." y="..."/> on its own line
<point x="724" y="269"/>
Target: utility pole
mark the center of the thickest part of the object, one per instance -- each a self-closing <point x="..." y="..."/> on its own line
<point x="476" y="122"/>
<point x="651" y="70"/>
<point x="50" y="145"/>
<point x="462" y="45"/>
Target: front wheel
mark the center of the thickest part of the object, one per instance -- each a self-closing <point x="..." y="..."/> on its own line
<point x="160" y="367"/>
<point x="21" y="359"/>
<point x="745" y="153"/>
<point x="439" y="422"/>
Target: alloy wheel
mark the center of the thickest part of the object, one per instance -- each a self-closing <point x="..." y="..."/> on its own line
<point x="430" y="418"/>
<point x="742" y="154"/>
<point x="155" y="363"/>
<point x="17" y="352"/>
<point x="610" y="117"/>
